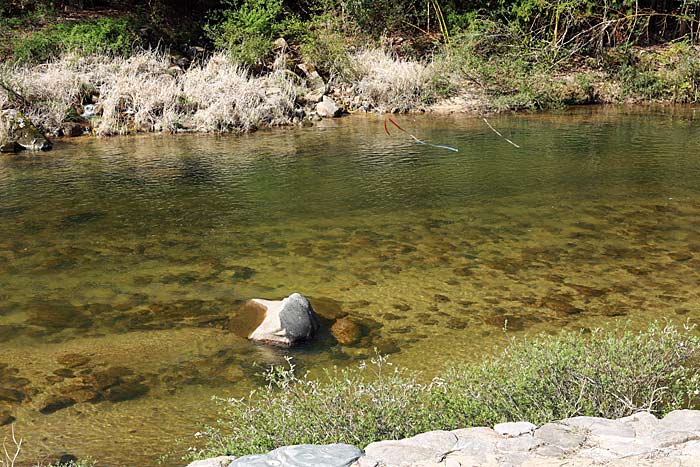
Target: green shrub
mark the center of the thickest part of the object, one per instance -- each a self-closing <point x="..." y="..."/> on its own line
<point x="115" y="36"/>
<point x="246" y="29"/>
<point x="609" y="373"/>
<point x="326" y="46"/>
<point x="671" y="74"/>
<point x="356" y="407"/>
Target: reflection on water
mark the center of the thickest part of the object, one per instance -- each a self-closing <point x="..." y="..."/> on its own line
<point x="122" y="260"/>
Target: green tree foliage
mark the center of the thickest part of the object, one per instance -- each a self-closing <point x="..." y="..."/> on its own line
<point x="248" y="27"/>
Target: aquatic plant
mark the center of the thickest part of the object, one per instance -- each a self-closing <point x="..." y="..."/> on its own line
<point x="609" y="372"/>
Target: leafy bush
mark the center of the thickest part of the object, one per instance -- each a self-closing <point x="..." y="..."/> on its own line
<point x="116" y="36"/>
<point x="356" y="407"/>
<point x="246" y="29"/>
<point x="670" y="74"/>
<point x="326" y="46"/>
<point x="609" y="373"/>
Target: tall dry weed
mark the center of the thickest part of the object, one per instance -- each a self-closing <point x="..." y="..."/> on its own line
<point x="390" y="83"/>
<point x="142" y="93"/>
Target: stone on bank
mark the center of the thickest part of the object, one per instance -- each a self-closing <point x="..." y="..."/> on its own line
<point x="638" y="440"/>
<point x="20" y="133"/>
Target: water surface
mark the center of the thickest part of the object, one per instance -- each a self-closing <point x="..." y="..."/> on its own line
<point x="122" y="259"/>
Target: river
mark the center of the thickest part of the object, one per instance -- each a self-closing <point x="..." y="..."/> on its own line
<point x="122" y="259"/>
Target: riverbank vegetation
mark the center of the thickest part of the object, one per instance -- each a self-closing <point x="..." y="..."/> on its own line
<point x="609" y="372"/>
<point x="391" y="55"/>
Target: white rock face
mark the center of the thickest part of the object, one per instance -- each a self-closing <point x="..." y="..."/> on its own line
<point x="287" y="322"/>
<point x="303" y="455"/>
<point x="512" y="429"/>
<point x="221" y="461"/>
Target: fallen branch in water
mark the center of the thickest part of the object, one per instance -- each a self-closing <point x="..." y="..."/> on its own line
<point x="10" y="459"/>
<point x="498" y="132"/>
<point x="386" y="128"/>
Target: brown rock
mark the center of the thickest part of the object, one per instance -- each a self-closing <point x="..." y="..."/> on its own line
<point x="249" y="316"/>
<point x="126" y="391"/>
<point x="11" y="395"/>
<point x="56" y="403"/>
<point x="6" y="418"/>
<point x="346" y="331"/>
<point x="73" y="360"/>
<point x="72" y="129"/>
<point x="80" y="393"/>
<point x="328" y="308"/>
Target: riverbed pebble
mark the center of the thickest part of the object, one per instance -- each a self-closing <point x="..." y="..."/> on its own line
<point x="637" y="440"/>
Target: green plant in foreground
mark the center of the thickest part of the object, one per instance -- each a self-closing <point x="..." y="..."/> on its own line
<point x="609" y="372"/>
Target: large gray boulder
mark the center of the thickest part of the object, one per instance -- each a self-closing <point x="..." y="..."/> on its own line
<point x="285" y="322"/>
<point x="18" y="133"/>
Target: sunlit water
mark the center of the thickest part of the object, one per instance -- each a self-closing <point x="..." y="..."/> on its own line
<point x="122" y="259"/>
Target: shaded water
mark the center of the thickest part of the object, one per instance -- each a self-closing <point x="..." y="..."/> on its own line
<point x="122" y="259"/>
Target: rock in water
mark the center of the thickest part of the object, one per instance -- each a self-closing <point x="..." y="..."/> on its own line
<point x="286" y="322"/>
<point x="328" y="108"/>
<point x="21" y="134"/>
<point x="346" y="331"/>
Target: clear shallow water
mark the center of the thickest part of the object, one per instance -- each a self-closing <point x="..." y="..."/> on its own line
<point x="122" y="259"/>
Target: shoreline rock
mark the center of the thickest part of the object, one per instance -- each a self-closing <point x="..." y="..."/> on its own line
<point x="637" y="440"/>
<point x="21" y="134"/>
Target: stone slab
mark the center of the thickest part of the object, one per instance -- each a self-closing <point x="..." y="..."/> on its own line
<point x="303" y="455"/>
<point x="512" y="429"/>
<point x="601" y="426"/>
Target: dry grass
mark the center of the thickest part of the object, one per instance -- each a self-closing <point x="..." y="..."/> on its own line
<point x="141" y="93"/>
<point x="389" y="83"/>
<point x="4" y="128"/>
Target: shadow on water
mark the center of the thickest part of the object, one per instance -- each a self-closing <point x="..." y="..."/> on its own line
<point x="124" y="262"/>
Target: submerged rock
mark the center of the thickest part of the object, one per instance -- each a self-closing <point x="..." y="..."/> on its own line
<point x="56" y="403"/>
<point x="11" y="395"/>
<point x="346" y="331"/>
<point x="6" y="418"/>
<point x="284" y="322"/>
<point x="21" y="134"/>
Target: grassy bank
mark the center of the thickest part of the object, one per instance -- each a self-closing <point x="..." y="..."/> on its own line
<point x="608" y="373"/>
<point x="246" y="64"/>
<point x="106" y="94"/>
